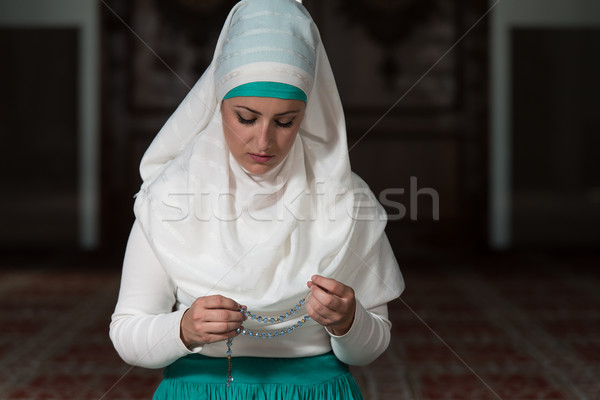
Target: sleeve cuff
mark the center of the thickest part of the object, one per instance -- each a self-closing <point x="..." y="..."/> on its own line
<point x="366" y="339"/>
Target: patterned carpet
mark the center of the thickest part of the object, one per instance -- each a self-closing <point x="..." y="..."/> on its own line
<point x="496" y="329"/>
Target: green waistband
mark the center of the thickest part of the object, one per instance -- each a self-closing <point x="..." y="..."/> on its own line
<point x="267" y="89"/>
<point x="298" y="371"/>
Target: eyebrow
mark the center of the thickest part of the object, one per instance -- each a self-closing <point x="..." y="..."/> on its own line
<point x="277" y="115"/>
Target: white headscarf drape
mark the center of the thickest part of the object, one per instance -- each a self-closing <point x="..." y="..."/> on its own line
<point x="258" y="239"/>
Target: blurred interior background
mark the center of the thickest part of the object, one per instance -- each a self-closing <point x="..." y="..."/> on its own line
<point x="478" y="131"/>
<point x="475" y="122"/>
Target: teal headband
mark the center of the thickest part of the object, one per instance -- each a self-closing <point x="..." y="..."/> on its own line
<point x="267" y="89"/>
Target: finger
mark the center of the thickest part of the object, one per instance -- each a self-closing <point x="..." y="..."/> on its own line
<point x="200" y="332"/>
<point x="215" y="337"/>
<point x="338" y="321"/>
<point x="311" y="284"/>
<point x="218" y="315"/>
<point x="220" y="328"/>
<point x="329" y="285"/>
<point x="325" y="306"/>
<point x="194" y="331"/>
<point x="324" y="299"/>
<point x="219" y="302"/>
<point x="319" y="313"/>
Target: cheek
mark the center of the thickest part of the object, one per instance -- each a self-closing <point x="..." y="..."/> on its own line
<point x="234" y="135"/>
<point x="229" y="136"/>
<point x="287" y="142"/>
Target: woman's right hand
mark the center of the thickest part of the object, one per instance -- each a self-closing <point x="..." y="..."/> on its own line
<point x="210" y="319"/>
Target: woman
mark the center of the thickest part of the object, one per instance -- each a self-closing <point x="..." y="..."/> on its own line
<point x="257" y="266"/>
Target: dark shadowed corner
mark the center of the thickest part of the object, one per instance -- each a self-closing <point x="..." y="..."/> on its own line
<point x="474" y="123"/>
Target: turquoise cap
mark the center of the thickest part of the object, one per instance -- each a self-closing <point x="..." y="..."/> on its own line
<point x="267" y="89"/>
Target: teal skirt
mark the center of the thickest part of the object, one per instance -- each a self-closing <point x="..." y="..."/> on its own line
<point x="197" y="377"/>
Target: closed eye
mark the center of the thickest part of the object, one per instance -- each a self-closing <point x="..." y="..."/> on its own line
<point x="244" y="121"/>
<point x="286" y="124"/>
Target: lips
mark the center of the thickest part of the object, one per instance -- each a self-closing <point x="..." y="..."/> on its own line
<point x="260" y="158"/>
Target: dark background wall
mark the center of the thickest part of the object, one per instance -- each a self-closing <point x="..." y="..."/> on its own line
<point x="414" y="77"/>
<point x="39" y="134"/>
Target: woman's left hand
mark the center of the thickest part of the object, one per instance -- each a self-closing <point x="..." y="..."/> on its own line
<point x="332" y="304"/>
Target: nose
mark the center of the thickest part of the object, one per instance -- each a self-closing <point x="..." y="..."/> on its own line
<point x="264" y="138"/>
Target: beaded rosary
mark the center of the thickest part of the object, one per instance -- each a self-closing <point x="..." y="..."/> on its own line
<point x="265" y="335"/>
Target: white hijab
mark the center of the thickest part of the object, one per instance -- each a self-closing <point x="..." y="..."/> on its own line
<point x="217" y="229"/>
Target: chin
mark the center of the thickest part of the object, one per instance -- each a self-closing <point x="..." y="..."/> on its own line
<point x="258" y="169"/>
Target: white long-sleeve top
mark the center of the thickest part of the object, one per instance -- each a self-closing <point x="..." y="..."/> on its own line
<point x="145" y="326"/>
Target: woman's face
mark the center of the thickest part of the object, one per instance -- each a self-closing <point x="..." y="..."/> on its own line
<point x="260" y="131"/>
